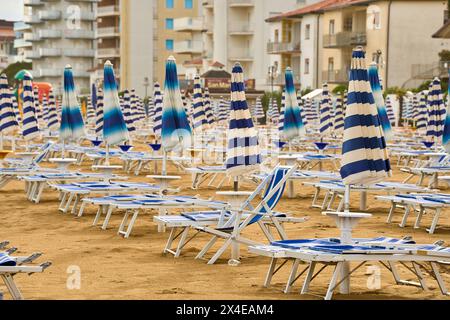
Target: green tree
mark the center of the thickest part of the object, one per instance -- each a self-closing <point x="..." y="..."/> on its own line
<point x="340" y="89"/>
<point x="13" y="68"/>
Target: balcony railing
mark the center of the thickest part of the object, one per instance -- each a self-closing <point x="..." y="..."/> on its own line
<point x="32" y="19"/>
<point x="429" y="71"/>
<point x="188" y="46"/>
<point x="244" y="55"/>
<point x="32" y="2"/>
<point x="108" y="52"/>
<point x="241" y="3"/>
<point x="21" y="43"/>
<point x="108" y="32"/>
<point x="335" y="76"/>
<point x="208" y="4"/>
<point x="31" y="36"/>
<point x="344" y="39"/>
<point x="281" y="79"/>
<point x="239" y="28"/>
<point x="21" y="26"/>
<point x="188" y="24"/>
<point x="32" y="54"/>
<point x="77" y="52"/>
<point x="104" y="11"/>
<point x="84" y="16"/>
<point x="47" y="73"/>
<point x="79" y="34"/>
<point x="281" y="47"/>
<point x="50" y="52"/>
<point x="50" y="34"/>
<point x="50" y="14"/>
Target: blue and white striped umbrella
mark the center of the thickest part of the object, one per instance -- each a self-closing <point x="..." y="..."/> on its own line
<point x="422" y="112"/>
<point x="127" y="111"/>
<point x="259" y="111"/>
<point x="243" y="154"/>
<point x="446" y="133"/>
<point x="45" y="109"/>
<point x="90" y="113"/>
<point x="71" y="126"/>
<point x="207" y="107"/>
<point x="37" y="108"/>
<point x="52" y="119"/>
<point x="311" y="112"/>
<point x="176" y="132"/>
<point x="199" y="117"/>
<point x="302" y="109"/>
<point x="115" y="130"/>
<point x="8" y="122"/>
<point x="326" y="118"/>
<point x="292" y="123"/>
<point x="157" y="118"/>
<point x="379" y="101"/>
<point x="364" y="155"/>
<point x="224" y="110"/>
<point x="338" y="115"/>
<point x="281" y="119"/>
<point x="275" y="113"/>
<point x="16" y="110"/>
<point x="151" y="109"/>
<point x="99" y="114"/>
<point x="30" y="128"/>
<point x="390" y="111"/>
<point x="436" y="111"/>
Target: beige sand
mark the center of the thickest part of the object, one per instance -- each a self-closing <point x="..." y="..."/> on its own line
<point x="116" y="268"/>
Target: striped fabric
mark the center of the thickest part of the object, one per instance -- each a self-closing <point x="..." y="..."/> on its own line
<point x="364" y="155"/>
<point x="71" y="126"/>
<point x="99" y="114"/>
<point x="207" y="107"/>
<point x="338" y="116"/>
<point x="243" y="148"/>
<point x="151" y="108"/>
<point x="45" y="110"/>
<point x="8" y="122"/>
<point x="30" y="128"/>
<point x="224" y="108"/>
<point x="436" y="111"/>
<point x="6" y="261"/>
<point x="275" y="113"/>
<point x="115" y="130"/>
<point x="127" y="111"/>
<point x="292" y="123"/>
<point x="37" y="108"/>
<point x="302" y="109"/>
<point x="52" y="119"/>
<point x="16" y="110"/>
<point x="175" y="131"/>
<point x="416" y="109"/>
<point x="421" y="123"/>
<point x="390" y="111"/>
<point x="326" y="122"/>
<point x="345" y="101"/>
<point x="157" y="118"/>
<point x="311" y="111"/>
<point x="259" y="111"/>
<point x="281" y="119"/>
<point x="446" y="132"/>
<point x="379" y="101"/>
<point x="199" y="117"/>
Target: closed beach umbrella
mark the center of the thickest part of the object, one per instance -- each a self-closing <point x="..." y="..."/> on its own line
<point x="175" y="132"/>
<point x="281" y="119"/>
<point x="326" y="122"/>
<point x="390" y="111"/>
<point x="379" y="100"/>
<point x="364" y="155"/>
<point x="446" y="133"/>
<point x="157" y="118"/>
<point x="338" y="115"/>
<point x="99" y="114"/>
<point x="436" y="111"/>
<point x="302" y="109"/>
<point x="223" y="110"/>
<point x="199" y="117"/>
<point x="208" y="109"/>
<point x="8" y="122"/>
<point x="259" y="111"/>
<point x="115" y="130"/>
<point x="127" y="111"/>
<point x="243" y="149"/>
<point x="293" y="125"/>
<point x="421" y="124"/>
<point x="16" y="110"/>
<point x="52" y="119"/>
<point x="30" y="128"/>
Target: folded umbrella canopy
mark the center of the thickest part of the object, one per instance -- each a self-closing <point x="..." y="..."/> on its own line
<point x="52" y="118"/>
<point x="30" y="128"/>
<point x="127" y="111"/>
<point x="243" y="155"/>
<point x="421" y="123"/>
<point x="115" y="130"/>
<point x="446" y="133"/>
<point x="176" y="132"/>
<point x="364" y="156"/>
<point x="390" y="111"/>
<point x="99" y="115"/>
<point x="379" y="100"/>
<point x="200" y="120"/>
<point x="436" y="112"/>
<point x="292" y="122"/>
<point x="157" y="118"/>
<point x="208" y="109"/>
<point x="326" y="118"/>
<point x="338" y="115"/>
<point x="8" y="122"/>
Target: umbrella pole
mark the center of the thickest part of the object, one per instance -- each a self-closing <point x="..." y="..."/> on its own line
<point x="107" y="155"/>
<point x="164" y="166"/>
<point x="13" y="143"/>
<point x="347" y="198"/>
<point x="236" y="183"/>
<point x="63" y="152"/>
<point x="1" y="141"/>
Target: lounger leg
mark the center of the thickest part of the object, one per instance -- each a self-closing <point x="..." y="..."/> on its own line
<point x="315" y="198"/>
<point x="80" y="212"/>
<point x="291" y="193"/>
<point x="269" y="275"/>
<point x="39" y="194"/>
<point x="363" y="201"/>
<point x="331" y="287"/>
<point x="170" y="240"/>
<point x="420" y="276"/>
<point x="309" y="275"/>
<point x="419" y="217"/>
<point x="69" y="201"/>
<point x="405" y="216"/>
<point x="63" y="196"/>
<point x="205" y="249"/>
<point x="330" y="204"/>
<point x="12" y="288"/>
<point x="391" y="212"/>
<point x="439" y="280"/>
<point x="75" y="204"/>
<point x="161" y="227"/>
<point x="124" y="222"/>
<point x="435" y="221"/>
<point x="219" y="252"/>
<point x="292" y="276"/>
<point x="131" y="224"/>
<point x="107" y="218"/>
<point x="181" y="242"/>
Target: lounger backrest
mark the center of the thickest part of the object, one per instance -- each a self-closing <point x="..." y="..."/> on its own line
<point x="43" y="152"/>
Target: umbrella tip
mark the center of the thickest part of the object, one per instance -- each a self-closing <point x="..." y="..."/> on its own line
<point x="171" y="58"/>
<point x="373" y="64"/>
<point x="68" y="66"/>
<point x="108" y="63"/>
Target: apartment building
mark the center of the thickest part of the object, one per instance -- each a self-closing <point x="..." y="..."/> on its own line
<point x="7" y="51"/>
<point x="61" y="33"/>
<point x="235" y="31"/>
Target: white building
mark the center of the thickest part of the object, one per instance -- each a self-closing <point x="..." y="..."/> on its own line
<point x="61" y="33"/>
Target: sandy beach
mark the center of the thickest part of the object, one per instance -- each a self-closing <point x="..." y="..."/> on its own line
<point x="115" y="268"/>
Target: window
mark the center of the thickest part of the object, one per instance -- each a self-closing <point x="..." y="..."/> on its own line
<point x="331" y="27"/>
<point x="169" y="24"/>
<point x="307" y="32"/>
<point x="330" y="64"/>
<point x="376" y="20"/>
<point x="277" y="36"/>
<point x="169" y="4"/>
<point x="188" y="4"/>
<point x="307" y="66"/>
<point x="348" y="24"/>
<point x="169" y="45"/>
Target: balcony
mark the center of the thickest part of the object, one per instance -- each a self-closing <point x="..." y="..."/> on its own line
<point x="240" y="29"/>
<point x="80" y="53"/>
<point x="81" y="74"/>
<point x="31" y="3"/>
<point x="50" y="34"/>
<point x="50" y="52"/>
<point x="208" y="4"/>
<point x="283" y="47"/>
<point x="31" y="37"/>
<point x="430" y="71"/>
<point x="108" y="11"/>
<point x="99" y="74"/>
<point x="50" y="15"/>
<point x="335" y="76"/>
<point x="281" y="79"/>
<point x="242" y="56"/>
<point x="108" y="32"/>
<point x="32" y="54"/>
<point x="21" y="26"/>
<point x="188" y="46"/>
<point x="47" y="73"/>
<point x="188" y="24"/>
<point x="108" y="53"/>
<point x="344" y="39"/>
<point x="84" y="16"/>
<point x="241" y="3"/>
<point x="21" y="43"/>
<point x="79" y="34"/>
<point x="32" y="19"/>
